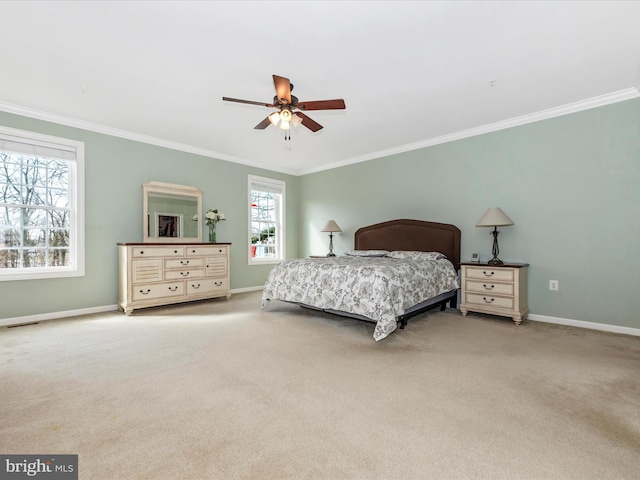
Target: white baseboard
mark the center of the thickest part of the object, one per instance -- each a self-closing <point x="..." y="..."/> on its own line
<point x="42" y="317"/>
<point x="247" y="289"/>
<point x="582" y="324"/>
<point x="6" y="322"/>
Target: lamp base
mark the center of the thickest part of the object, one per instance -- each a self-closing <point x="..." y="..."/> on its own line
<point x="495" y="251"/>
<point x="331" y="254"/>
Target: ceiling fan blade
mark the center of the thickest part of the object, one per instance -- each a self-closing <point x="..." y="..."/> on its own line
<point x="308" y="122"/>
<point x="250" y="102"/>
<point x="283" y="89"/>
<point x="263" y="124"/>
<point x="337" y="104"/>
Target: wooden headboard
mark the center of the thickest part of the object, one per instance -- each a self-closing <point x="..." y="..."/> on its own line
<point x="415" y="235"/>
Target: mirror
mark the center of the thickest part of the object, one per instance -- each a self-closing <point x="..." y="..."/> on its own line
<point x="168" y="213"/>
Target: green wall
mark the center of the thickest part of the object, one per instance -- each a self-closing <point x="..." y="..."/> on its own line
<point x="571" y="184"/>
<point x="115" y="169"/>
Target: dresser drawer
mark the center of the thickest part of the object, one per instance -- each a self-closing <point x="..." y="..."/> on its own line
<point x="496" y="274"/>
<point x="202" y="287"/>
<point x="489" y="300"/>
<point x="146" y="270"/>
<point x="208" y="250"/>
<point x="139" y="252"/>
<point x="184" y="274"/>
<point x="175" y="263"/>
<point x="157" y="290"/>
<point x="490" y="288"/>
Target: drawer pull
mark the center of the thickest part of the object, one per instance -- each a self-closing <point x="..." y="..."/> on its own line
<point x="195" y="286"/>
<point x="193" y="251"/>
<point x="488" y="288"/>
<point x="175" y="251"/>
<point x="220" y="250"/>
<point x="218" y="284"/>
<point x="141" y="252"/>
<point x="490" y="274"/>
<point x="174" y="288"/>
<point x="145" y="293"/>
<point x="488" y="301"/>
<point x="185" y="274"/>
<point x="182" y="262"/>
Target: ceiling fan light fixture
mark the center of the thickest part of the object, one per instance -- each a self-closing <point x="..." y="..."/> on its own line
<point x="274" y="118"/>
<point x="284" y="125"/>
<point x="296" y="120"/>
<point x="285" y="115"/>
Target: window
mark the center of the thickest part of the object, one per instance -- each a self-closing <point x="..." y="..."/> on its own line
<point x="41" y="206"/>
<point x="266" y="220"/>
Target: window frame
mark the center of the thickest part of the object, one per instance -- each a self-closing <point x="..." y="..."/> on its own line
<point x="76" y="267"/>
<point x="280" y="220"/>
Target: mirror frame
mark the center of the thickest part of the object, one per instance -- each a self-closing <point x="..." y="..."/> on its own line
<point x="171" y="189"/>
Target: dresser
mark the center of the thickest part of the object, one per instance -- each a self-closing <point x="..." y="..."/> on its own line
<point x="153" y="274"/>
<point x="495" y="289"/>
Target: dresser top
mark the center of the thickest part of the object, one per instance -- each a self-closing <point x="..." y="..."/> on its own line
<point x="168" y="244"/>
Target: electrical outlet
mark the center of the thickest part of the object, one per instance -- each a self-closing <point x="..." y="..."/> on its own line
<point x="554" y="285"/>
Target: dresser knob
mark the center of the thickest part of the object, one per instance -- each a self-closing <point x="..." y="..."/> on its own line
<point x="488" y="288"/>
<point x="488" y="301"/>
<point x="488" y="274"/>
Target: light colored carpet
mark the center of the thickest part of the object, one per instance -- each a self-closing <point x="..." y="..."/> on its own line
<point x="223" y="390"/>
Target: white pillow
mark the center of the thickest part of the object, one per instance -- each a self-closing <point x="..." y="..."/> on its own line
<point x="412" y="255"/>
<point x="367" y="253"/>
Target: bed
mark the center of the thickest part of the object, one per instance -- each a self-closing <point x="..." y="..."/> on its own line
<point x="397" y="269"/>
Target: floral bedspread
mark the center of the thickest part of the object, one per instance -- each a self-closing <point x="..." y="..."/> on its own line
<point x="378" y="288"/>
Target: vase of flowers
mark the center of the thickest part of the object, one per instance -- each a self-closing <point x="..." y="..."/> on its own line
<point x="212" y="217"/>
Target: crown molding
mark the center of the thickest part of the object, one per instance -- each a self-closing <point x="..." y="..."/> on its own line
<point x="116" y="132"/>
<point x="594" y="102"/>
<point x="600" y="101"/>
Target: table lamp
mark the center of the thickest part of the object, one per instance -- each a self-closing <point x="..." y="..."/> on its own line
<point x="494" y="217"/>
<point x="331" y="227"/>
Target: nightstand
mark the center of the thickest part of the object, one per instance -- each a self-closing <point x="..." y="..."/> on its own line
<point x="495" y="289"/>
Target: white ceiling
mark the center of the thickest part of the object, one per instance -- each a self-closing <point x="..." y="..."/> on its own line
<point x="412" y="73"/>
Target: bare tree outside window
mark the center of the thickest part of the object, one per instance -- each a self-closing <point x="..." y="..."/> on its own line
<point x="34" y="211"/>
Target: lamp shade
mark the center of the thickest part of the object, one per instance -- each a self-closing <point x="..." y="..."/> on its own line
<point x="331" y="226"/>
<point x="494" y="217"/>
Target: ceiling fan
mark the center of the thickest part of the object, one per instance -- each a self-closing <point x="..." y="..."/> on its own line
<point x="290" y="108"/>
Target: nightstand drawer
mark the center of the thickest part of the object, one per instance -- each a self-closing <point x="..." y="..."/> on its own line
<point x="490" y="288"/>
<point x="488" y="273"/>
<point x="489" y="300"/>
